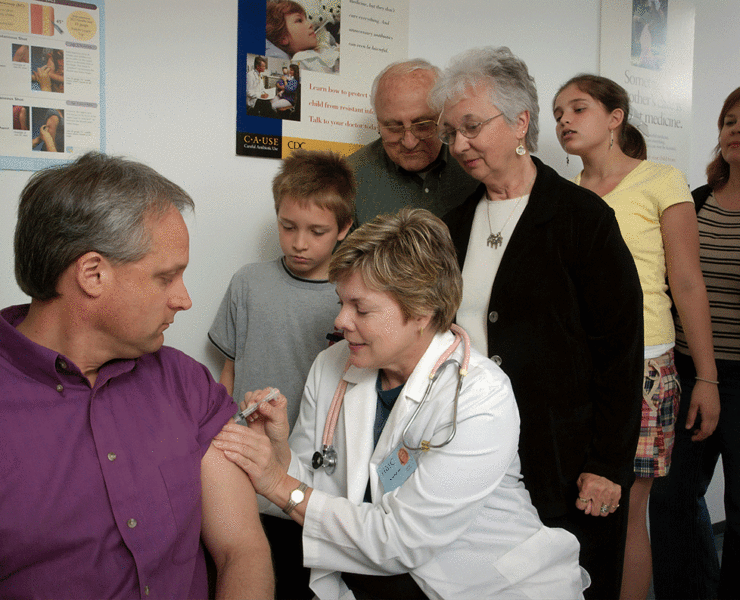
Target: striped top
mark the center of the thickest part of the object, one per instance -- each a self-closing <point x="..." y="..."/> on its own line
<point x="719" y="237"/>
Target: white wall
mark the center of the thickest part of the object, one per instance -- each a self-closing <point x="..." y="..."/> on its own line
<point x="170" y="88"/>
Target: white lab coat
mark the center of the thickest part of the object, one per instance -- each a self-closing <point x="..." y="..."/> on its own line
<point x="462" y="524"/>
<point x="255" y="87"/>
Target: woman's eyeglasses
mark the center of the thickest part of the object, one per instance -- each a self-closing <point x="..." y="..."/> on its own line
<point x="470" y="130"/>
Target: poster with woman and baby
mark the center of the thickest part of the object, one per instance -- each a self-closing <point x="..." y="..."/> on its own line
<point x="304" y="71"/>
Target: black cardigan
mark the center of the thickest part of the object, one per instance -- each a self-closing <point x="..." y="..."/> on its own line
<point x="566" y="325"/>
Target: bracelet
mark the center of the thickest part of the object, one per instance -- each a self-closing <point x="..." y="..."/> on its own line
<point x="707" y="380"/>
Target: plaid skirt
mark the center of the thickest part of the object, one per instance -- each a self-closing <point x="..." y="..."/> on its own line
<point x="660" y="396"/>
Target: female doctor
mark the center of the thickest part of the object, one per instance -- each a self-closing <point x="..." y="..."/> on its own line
<point x="417" y="493"/>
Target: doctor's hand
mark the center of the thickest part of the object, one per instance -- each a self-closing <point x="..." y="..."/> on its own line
<point x="253" y="452"/>
<point x="271" y="418"/>
<point x="597" y="496"/>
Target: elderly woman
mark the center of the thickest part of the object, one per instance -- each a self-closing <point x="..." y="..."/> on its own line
<point x="417" y="492"/>
<point x="551" y="293"/>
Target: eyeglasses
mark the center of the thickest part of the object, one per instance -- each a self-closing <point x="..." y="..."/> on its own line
<point x="470" y="130"/>
<point x="421" y="131"/>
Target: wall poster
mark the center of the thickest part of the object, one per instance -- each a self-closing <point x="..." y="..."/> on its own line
<point x="647" y="46"/>
<point x="304" y="72"/>
<point x="51" y="97"/>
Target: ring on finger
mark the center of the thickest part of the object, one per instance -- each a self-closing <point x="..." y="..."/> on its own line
<point x="582" y="499"/>
<point x="604" y="509"/>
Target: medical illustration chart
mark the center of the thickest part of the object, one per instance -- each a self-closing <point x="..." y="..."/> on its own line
<point x="647" y="47"/>
<point x="51" y="91"/>
<point x="304" y="77"/>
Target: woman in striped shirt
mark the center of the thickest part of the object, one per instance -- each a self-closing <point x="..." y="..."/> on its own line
<point x="685" y="563"/>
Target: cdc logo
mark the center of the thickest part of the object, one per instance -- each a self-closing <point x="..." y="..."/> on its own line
<point x="293" y="145"/>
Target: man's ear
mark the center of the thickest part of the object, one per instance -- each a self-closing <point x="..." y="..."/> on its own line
<point x="92" y="273"/>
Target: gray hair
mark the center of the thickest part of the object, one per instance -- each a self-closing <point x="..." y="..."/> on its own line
<point x="397" y="69"/>
<point x="97" y="203"/>
<point x="510" y="85"/>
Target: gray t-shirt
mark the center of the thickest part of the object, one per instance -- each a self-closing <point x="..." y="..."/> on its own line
<point x="272" y="324"/>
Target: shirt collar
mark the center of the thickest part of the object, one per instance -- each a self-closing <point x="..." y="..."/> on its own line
<point x="39" y="363"/>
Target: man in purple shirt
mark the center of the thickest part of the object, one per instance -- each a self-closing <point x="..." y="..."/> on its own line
<point x="107" y="475"/>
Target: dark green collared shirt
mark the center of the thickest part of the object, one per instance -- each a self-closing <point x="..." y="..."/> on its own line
<point x="384" y="187"/>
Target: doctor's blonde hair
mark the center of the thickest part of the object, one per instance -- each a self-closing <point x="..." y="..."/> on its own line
<point x="410" y="255"/>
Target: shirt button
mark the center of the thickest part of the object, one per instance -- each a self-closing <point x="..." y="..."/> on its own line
<point x="62" y="365"/>
<point x="426" y="190"/>
<point x="60" y="388"/>
<point x="493" y="316"/>
<point x="146" y="590"/>
<point x="111" y="456"/>
<point x="497" y="359"/>
<point x="131" y="523"/>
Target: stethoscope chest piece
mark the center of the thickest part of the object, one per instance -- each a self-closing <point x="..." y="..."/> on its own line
<point x="326" y="458"/>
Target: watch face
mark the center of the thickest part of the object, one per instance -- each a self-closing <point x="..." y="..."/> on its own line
<point x="296" y="496"/>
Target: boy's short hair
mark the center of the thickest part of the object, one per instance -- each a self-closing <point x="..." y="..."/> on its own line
<point x="275" y="27"/>
<point x="322" y="178"/>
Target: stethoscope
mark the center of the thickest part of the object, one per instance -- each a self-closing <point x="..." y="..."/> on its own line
<point x="327" y="456"/>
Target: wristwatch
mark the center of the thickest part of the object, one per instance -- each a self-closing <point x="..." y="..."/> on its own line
<point x="296" y="497"/>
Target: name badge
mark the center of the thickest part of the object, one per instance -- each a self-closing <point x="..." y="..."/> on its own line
<point x="396" y="468"/>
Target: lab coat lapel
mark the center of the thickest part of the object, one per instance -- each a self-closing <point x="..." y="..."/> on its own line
<point x="359" y="415"/>
<point x="408" y="401"/>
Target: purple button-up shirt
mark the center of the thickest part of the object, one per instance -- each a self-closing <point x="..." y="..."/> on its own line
<point x="100" y="488"/>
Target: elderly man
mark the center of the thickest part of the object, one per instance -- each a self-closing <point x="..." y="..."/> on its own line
<point x="107" y="475"/>
<point x="408" y="166"/>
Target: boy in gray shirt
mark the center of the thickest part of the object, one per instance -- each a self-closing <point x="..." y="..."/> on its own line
<point x="275" y="316"/>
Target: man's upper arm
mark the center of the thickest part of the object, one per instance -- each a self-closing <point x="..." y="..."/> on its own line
<point x="232" y="531"/>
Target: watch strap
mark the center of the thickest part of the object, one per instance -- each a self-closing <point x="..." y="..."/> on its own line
<point x="292" y="503"/>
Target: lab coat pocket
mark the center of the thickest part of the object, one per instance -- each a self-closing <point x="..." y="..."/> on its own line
<point x="544" y="566"/>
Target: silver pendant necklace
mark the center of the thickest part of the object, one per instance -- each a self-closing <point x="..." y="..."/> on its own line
<point x="496" y="239"/>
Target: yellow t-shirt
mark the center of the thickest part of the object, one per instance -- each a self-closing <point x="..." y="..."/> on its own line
<point x="639" y="201"/>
